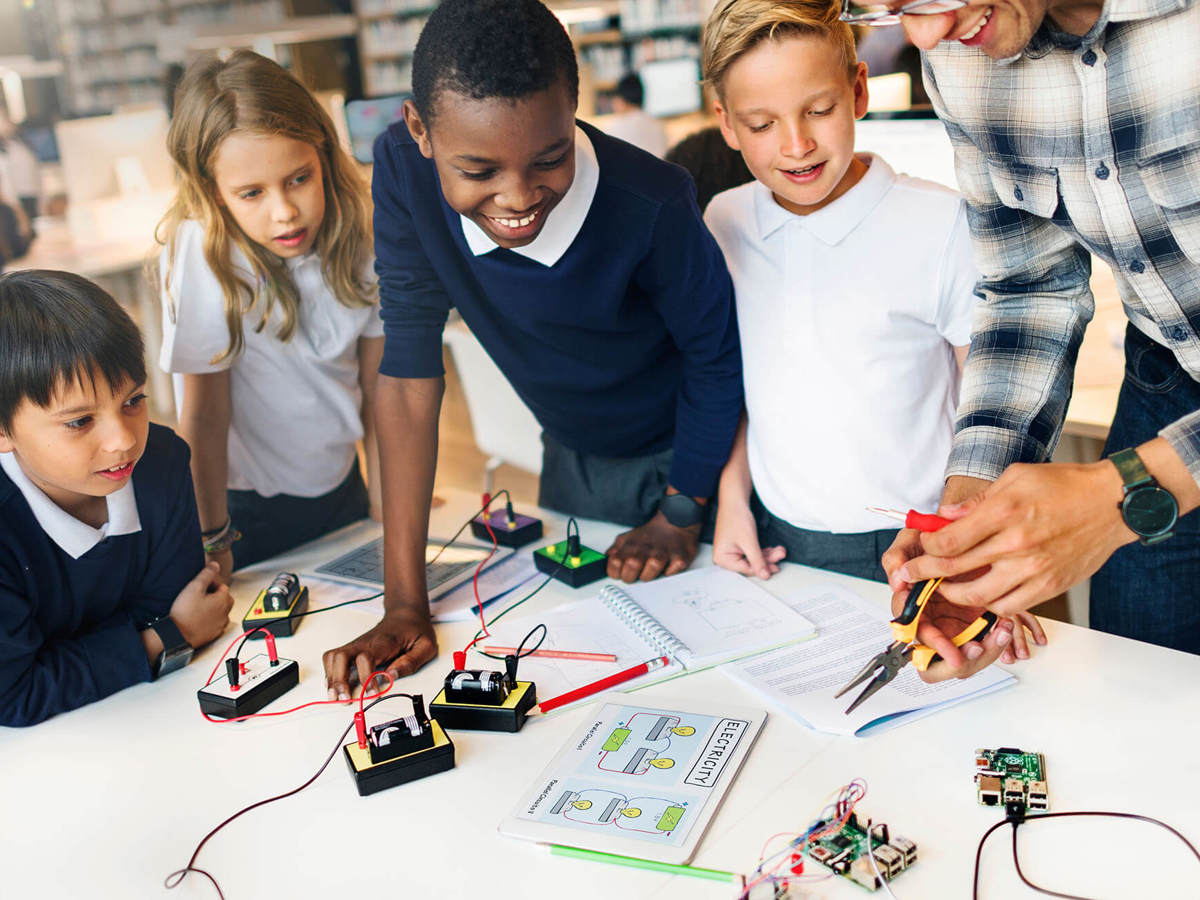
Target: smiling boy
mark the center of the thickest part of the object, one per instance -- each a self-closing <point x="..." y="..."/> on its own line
<point x="102" y="580"/>
<point x="583" y="267"/>
<point x="846" y="333"/>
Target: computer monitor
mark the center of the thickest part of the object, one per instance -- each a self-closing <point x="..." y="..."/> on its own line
<point x="672" y="86"/>
<point x="101" y="153"/>
<point x="367" y="119"/>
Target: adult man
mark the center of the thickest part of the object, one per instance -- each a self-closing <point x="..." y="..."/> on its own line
<point x="1076" y="128"/>
<point x="631" y="123"/>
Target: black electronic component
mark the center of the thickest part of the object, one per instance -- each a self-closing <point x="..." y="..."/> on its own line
<point x="398" y="751"/>
<point x="509" y="528"/>
<point x="248" y="686"/>
<point x="503" y="703"/>
<point x="277" y="607"/>
<point x="475" y="686"/>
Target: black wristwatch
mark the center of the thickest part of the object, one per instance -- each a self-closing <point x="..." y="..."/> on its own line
<point x="176" y="652"/>
<point x="1149" y="511"/>
<point x="681" y="510"/>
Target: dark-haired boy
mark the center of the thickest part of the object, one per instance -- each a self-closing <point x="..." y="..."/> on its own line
<point x="102" y="576"/>
<point x="582" y="265"/>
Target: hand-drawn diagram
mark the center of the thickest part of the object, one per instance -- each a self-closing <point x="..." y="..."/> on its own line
<point x="724" y="614"/>
<point x="596" y="806"/>
<point x="644" y="741"/>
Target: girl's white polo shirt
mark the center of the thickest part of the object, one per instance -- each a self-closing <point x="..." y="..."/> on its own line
<point x="296" y="404"/>
<point x="848" y="318"/>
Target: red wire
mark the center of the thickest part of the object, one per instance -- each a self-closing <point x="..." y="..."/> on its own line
<point x="487" y="523"/>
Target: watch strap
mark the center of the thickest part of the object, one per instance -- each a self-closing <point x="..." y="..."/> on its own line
<point x="176" y="651"/>
<point x="1131" y="468"/>
<point x="681" y="510"/>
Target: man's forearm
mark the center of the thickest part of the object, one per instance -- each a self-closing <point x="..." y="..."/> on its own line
<point x="406" y="420"/>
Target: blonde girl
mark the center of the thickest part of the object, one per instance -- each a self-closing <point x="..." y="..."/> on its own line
<point x="270" y="319"/>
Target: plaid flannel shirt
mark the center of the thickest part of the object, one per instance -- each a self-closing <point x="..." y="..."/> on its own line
<point x="1079" y="144"/>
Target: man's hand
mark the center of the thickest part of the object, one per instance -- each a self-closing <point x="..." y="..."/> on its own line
<point x="201" y="611"/>
<point x="224" y="561"/>
<point x="736" y="547"/>
<point x="1038" y="530"/>
<point x="403" y="641"/>
<point x="656" y="548"/>
<point x="1006" y="642"/>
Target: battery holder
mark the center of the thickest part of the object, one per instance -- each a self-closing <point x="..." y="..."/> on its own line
<point x="474" y="700"/>
<point x="510" y="529"/>
<point x="275" y="607"/>
<point x="258" y="682"/>
<point x="571" y="562"/>
<point x="398" y="751"/>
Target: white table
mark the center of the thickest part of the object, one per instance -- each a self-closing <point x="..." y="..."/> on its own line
<point x="106" y="800"/>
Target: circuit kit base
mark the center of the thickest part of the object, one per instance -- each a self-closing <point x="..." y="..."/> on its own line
<point x="848" y="851"/>
<point x="370" y="777"/>
<point x="583" y="568"/>
<point x="279" y="622"/>
<point x="507" y="716"/>
<point x="520" y="531"/>
<point x="258" y="684"/>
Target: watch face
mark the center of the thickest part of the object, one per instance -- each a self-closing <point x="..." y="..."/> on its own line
<point x="1149" y="511"/>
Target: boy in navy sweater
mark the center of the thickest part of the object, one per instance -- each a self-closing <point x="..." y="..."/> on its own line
<point x="102" y="575"/>
<point x="583" y="267"/>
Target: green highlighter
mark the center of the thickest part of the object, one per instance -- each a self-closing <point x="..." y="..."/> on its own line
<point x="635" y="863"/>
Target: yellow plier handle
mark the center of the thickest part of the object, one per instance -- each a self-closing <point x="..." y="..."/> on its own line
<point x="904" y="626"/>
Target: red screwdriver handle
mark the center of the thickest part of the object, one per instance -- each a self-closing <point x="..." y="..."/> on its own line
<point x="924" y="521"/>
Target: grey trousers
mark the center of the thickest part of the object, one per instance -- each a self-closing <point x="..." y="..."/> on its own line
<point x="855" y="554"/>
<point x="625" y="491"/>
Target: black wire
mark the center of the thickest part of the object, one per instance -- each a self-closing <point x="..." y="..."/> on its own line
<point x="313" y="612"/>
<point x="463" y="527"/>
<point x="179" y="874"/>
<point x="1058" y="815"/>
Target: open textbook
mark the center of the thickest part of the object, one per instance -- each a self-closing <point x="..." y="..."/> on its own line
<point x="802" y="679"/>
<point x="698" y="619"/>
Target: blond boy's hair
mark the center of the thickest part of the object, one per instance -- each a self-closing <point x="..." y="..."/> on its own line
<point x="737" y="26"/>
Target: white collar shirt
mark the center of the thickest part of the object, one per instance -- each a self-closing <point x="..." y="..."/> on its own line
<point x="563" y="223"/>
<point x="847" y="339"/>
<point x="74" y="537"/>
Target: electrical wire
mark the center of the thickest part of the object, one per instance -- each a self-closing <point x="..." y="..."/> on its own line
<point x="883" y="882"/>
<point x="1015" y="822"/>
<point x="176" y="878"/>
<point x="463" y="527"/>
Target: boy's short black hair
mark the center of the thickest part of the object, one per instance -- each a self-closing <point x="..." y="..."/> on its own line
<point x="491" y="48"/>
<point x="630" y="89"/>
<point x="56" y="327"/>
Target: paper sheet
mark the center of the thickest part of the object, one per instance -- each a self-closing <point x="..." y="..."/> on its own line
<point x="802" y="679"/>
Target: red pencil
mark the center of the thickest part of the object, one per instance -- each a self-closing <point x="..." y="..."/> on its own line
<point x="554" y="654"/>
<point x="603" y="684"/>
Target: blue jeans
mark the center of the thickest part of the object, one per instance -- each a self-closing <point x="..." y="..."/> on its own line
<point x="273" y="525"/>
<point x="1151" y="593"/>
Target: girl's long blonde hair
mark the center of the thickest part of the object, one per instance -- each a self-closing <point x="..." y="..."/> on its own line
<point x="250" y="93"/>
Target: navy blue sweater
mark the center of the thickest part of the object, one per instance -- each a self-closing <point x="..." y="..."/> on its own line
<point x="69" y="627"/>
<point x="626" y="346"/>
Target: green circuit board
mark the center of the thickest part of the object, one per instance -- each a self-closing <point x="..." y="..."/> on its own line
<point x="845" y="853"/>
<point x="1007" y="774"/>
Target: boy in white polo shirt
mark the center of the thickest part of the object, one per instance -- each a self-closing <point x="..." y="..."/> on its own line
<point x="852" y="340"/>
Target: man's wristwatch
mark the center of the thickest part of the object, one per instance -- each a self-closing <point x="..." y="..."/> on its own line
<point x="681" y="510"/>
<point x="176" y="652"/>
<point x="1149" y="511"/>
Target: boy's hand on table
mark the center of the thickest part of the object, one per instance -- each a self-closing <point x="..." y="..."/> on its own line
<point x="201" y="611"/>
<point x="224" y="560"/>
<point x="736" y="547"/>
<point x="656" y="548"/>
<point x="403" y="641"/>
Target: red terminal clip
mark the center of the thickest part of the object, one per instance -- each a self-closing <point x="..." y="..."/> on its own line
<point x="797" y="864"/>
<point x="272" y="653"/>
<point x="360" y="729"/>
<point x="242" y="668"/>
<point x="460" y="660"/>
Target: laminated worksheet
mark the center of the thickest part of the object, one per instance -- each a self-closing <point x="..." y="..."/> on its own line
<point x="638" y="780"/>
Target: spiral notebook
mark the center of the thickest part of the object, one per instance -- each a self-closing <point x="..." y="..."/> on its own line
<point x="698" y="619"/>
